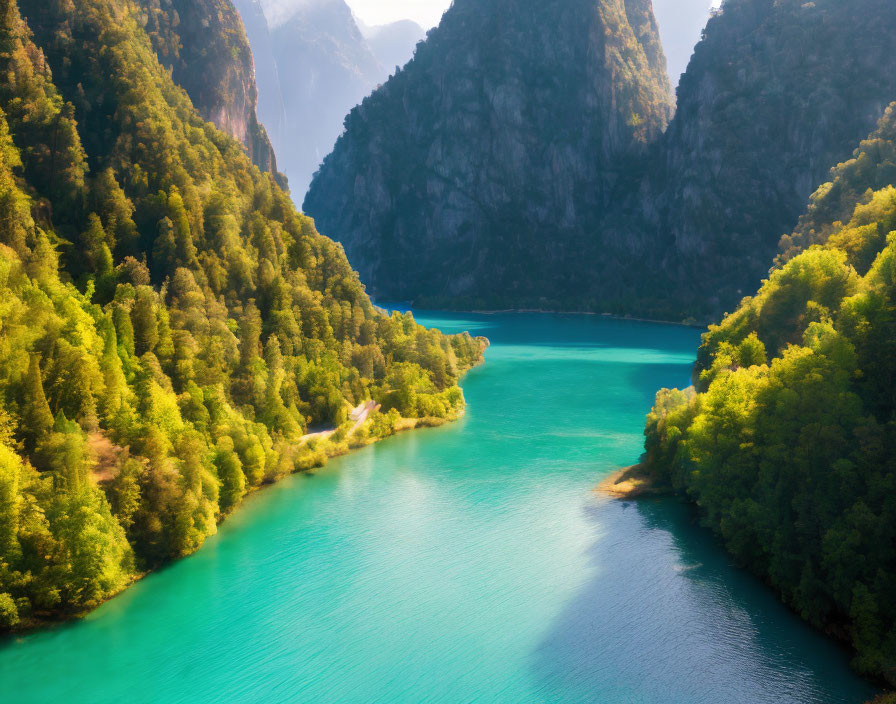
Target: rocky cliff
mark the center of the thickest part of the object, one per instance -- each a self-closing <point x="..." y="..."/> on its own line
<point x="271" y="111"/>
<point x="204" y="44"/>
<point x="470" y="178"/>
<point x="777" y="93"/>
<point x="504" y="167"/>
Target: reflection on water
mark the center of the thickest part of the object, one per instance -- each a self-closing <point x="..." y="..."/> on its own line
<point x="666" y="618"/>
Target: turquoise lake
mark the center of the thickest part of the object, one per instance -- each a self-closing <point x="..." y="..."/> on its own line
<point x="469" y="563"/>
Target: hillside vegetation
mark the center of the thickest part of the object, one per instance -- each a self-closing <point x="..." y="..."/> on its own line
<point x="788" y="441"/>
<point x="171" y="326"/>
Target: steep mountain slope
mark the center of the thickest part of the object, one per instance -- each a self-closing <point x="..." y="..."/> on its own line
<point x="393" y="44"/>
<point x="471" y="176"/>
<point x="205" y="45"/>
<point x="788" y="444"/>
<point x="776" y="94"/>
<point x="450" y="187"/>
<point x="171" y="325"/>
<point x="271" y="110"/>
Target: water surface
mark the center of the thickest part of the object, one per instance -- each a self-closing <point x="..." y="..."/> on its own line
<point x="470" y="563"/>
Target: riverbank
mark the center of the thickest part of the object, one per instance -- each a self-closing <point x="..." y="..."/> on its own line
<point x="317" y="450"/>
<point x="630" y="483"/>
<point x="687" y="323"/>
<point x="610" y="316"/>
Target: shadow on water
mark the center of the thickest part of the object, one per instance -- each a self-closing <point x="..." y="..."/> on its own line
<point x="666" y="618"/>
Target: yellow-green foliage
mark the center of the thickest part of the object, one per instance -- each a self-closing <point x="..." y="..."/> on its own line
<point x="788" y="445"/>
<point x="169" y="324"/>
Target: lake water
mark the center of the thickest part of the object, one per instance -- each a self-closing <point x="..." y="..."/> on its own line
<point x="469" y="563"/>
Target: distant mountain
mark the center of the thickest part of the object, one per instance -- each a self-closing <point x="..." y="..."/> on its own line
<point x="681" y="25"/>
<point x="271" y="110"/>
<point x="393" y="44"/>
<point x="472" y="176"/>
<point x="326" y="69"/>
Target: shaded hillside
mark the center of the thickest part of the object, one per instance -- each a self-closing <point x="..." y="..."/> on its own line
<point x="471" y="176"/>
<point x="776" y="94"/>
<point x="491" y="173"/>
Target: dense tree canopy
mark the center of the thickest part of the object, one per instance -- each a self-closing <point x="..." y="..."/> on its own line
<point x="788" y="441"/>
<point x="171" y="326"/>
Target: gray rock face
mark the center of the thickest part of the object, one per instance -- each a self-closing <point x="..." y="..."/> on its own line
<point x="506" y="166"/>
<point x="271" y="111"/>
<point x="470" y="177"/>
<point x="776" y="94"/>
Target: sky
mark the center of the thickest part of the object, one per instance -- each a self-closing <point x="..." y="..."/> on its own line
<point x="426" y="13"/>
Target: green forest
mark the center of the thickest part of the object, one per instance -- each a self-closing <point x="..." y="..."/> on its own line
<point x="787" y="442"/>
<point x="170" y="325"/>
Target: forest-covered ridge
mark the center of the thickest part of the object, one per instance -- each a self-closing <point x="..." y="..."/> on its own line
<point x="786" y="443"/>
<point x="171" y="325"/>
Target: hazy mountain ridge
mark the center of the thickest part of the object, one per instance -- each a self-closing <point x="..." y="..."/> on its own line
<point x="393" y="44"/>
<point x="314" y="64"/>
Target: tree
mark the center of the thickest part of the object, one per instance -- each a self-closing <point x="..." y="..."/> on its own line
<point x="37" y="419"/>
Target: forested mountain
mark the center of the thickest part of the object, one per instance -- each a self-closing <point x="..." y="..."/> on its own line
<point x="170" y="324"/>
<point x="204" y="44"/>
<point x="489" y="173"/>
<point x="470" y="177"/>
<point x="788" y="442"/>
<point x="393" y="44"/>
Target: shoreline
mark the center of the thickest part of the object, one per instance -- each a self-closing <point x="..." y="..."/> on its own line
<point x="611" y="316"/>
<point x="408" y="306"/>
<point x="630" y="482"/>
<point x="324" y="448"/>
<point x="542" y="311"/>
